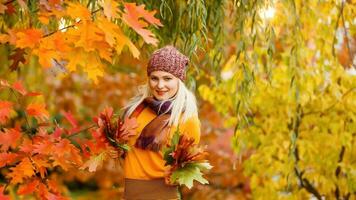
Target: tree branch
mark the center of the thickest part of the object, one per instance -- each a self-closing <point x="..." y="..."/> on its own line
<point x="304" y="183"/>
<point x="332" y="105"/>
<point x="8" y="2"/>
<point x="338" y="170"/>
<point x="70" y="26"/>
<point x="345" y="35"/>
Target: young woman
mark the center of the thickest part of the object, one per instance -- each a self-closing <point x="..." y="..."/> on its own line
<point x="161" y="105"/>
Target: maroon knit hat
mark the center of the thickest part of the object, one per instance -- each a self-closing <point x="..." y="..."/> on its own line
<point x="170" y="60"/>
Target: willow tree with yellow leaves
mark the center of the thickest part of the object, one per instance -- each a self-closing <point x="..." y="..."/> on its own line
<point x="280" y="73"/>
<point x="289" y="89"/>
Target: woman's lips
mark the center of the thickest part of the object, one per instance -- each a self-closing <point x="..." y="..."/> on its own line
<point x="160" y="92"/>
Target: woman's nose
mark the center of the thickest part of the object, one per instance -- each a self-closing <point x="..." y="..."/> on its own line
<point x="160" y="84"/>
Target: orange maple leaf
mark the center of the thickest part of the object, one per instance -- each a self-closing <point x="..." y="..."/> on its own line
<point x="28" y="188"/>
<point x="2" y="196"/>
<point x="64" y="148"/>
<point x="9" y="138"/>
<point x="7" y="158"/>
<point x="95" y="161"/>
<point x="61" y="162"/>
<point x="45" y="56"/>
<point x="28" y="38"/>
<point x="44" y="147"/>
<point x="115" y="37"/>
<point x="5" y="111"/>
<point x="21" y="171"/>
<point x="37" y="110"/>
<point x="59" y="42"/>
<point x="2" y="8"/>
<point x="41" y="164"/>
<point x="19" y="87"/>
<point x="132" y="17"/>
<point x="77" y="10"/>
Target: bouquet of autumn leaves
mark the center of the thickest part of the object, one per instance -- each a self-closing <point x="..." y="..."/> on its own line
<point x="111" y="136"/>
<point x="115" y="132"/>
<point x="186" y="161"/>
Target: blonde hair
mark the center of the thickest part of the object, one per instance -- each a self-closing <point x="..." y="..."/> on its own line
<point x="183" y="105"/>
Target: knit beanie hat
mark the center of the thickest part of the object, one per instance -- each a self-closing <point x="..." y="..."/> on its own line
<point x="170" y="60"/>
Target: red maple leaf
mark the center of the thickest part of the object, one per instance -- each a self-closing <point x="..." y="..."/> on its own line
<point x="7" y="158"/>
<point x="5" y="111"/>
<point x="19" y="87"/>
<point x="126" y="129"/>
<point x="17" y="57"/>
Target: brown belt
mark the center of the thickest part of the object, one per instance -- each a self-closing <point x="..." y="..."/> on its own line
<point x="149" y="190"/>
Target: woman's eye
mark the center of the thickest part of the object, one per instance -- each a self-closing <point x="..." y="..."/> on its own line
<point x="154" y="78"/>
<point x="167" y="79"/>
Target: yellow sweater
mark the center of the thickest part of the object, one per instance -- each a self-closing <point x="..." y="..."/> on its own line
<point x="145" y="164"/>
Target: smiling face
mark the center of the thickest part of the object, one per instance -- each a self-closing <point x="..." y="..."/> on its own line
<point x="163" y="85"/>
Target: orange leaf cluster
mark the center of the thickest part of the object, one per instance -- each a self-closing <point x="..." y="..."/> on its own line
<point x="186" y="152"/>
<point x="29" y="156"/>
<point x="118" y="132"/>
<point x="89" y="39"/>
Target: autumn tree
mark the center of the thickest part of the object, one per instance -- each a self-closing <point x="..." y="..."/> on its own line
<point x="288" y="87"/>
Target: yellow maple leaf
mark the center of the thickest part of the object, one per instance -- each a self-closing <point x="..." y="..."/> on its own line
<point x="110" y="8"/>
<point x="88" y="34"/>
<point x="90" y="63"/>
<point x="95" y="161"/>
<point x="75" y="58"/>
<point x="105" y="52"/>
<point x="77" y="10"/>
<point x="94" y="68"/>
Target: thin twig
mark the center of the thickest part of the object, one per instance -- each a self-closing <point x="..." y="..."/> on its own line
<point x="70" y="26"/>
<point x="9" y="2"/>
<point x="49" y="34"/>
<point x="332" y="105"/>
<point x="80" y="131"/>
<point x="18" y="101"/>
<point x="336" y="26"/>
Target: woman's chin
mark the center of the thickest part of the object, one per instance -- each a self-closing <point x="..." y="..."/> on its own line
<point x="160" y="97"/>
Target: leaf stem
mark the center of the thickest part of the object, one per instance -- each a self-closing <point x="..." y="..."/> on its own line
<point x="336" y="26"/>
<point x="18" y="101"/>
<point x="82" y="130"/>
